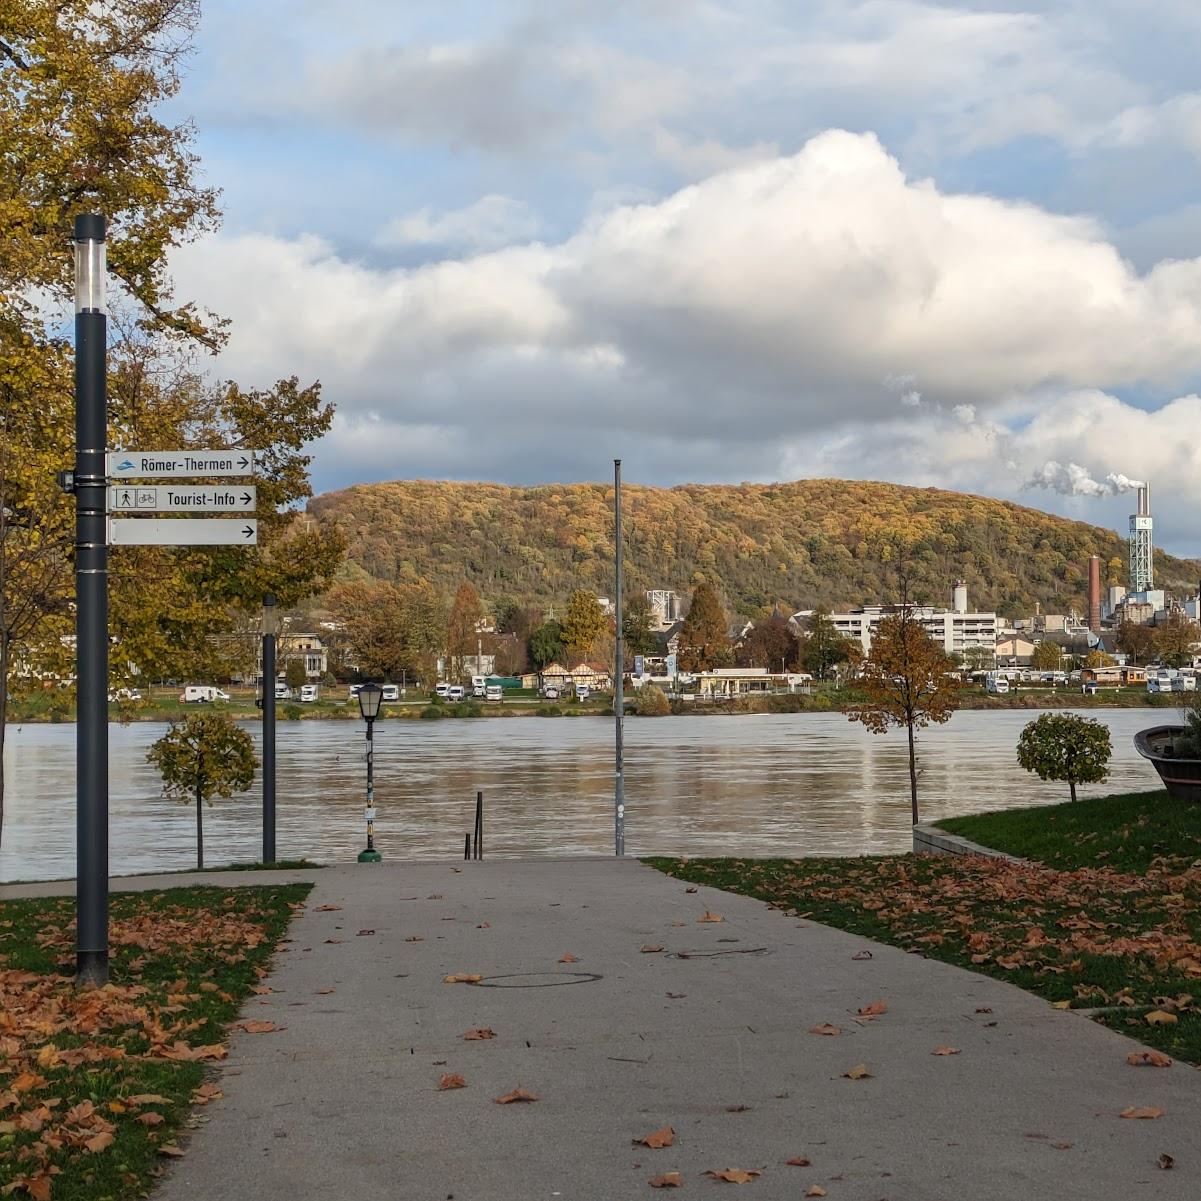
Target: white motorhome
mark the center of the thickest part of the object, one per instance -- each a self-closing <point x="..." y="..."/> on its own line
<point x="997" y="685"/>
<point x="202" y="694"/>
<point x="309" y="693"/>
<point x="479" y="685"/>
<point x="494" y="693"/>
<point x="391" y="692"/>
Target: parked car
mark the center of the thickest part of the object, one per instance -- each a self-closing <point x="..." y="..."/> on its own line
<point x="202" y="694"/>
<point x="309" y="693"/>
<point x="455" y="692"/>
<point x="550" y="692"/>
<point x="494" y="693"/>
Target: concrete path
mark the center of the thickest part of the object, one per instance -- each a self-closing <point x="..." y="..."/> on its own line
<point x="709" y="1036"/>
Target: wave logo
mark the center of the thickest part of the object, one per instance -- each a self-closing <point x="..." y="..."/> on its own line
<point x="125" y="465"/>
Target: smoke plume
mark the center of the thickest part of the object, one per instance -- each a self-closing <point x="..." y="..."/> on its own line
<point x="1070" y="479"/>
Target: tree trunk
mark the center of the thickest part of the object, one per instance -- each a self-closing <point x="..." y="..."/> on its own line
<point x="199" y="831"/>
<point x="1072" y="786"/>
<point x="3" y="709"/>
<point x="912" y="772"/>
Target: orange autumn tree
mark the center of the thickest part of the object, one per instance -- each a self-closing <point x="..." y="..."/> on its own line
<point x="908" y="683"/>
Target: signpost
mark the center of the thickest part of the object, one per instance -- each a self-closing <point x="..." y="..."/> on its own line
<point x="183" y="531"/>
<point x="139" y="498"/>
<point x="179" y="464"/>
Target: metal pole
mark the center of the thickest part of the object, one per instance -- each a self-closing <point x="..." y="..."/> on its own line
<point x="269" y="627"/>
<point x="479" y="825"/>
<point x="91" y="604"/>
<point x="619" y="787"/>
<point x="370" y="787"/>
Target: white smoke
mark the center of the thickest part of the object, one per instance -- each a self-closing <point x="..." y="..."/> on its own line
<point x="1070" y="479"/>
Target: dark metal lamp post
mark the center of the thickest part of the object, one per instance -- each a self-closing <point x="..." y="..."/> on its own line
<point x="370" y="696"/>
<point x="270" y="628"/>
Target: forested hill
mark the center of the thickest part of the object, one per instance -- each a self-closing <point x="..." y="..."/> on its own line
<point x="808" y="543"/>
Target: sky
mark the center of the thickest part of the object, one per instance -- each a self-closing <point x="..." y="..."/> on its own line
<point x="952" y="244"/>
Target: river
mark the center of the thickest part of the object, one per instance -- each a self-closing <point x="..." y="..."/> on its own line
<point x="795" y="784"/>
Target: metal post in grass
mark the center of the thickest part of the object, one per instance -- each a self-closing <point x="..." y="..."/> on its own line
<point x="90" y="485"/>
<point x="619" y="787"/>
<point x="270" y="628"/>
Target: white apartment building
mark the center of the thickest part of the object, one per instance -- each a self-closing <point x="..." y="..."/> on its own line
<point x="955" y="629"/>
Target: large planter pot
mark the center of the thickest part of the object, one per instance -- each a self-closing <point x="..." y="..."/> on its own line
<point x="1180" y="776"/>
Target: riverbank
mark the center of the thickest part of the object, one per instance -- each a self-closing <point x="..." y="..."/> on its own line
<point x="1104" y="917"/>
<point x="833" y="700"/>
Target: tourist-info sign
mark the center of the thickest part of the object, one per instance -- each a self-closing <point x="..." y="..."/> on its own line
<point x="183" y="531"/>
<point x="175" y="464"/>
<point x="181" y="498"/>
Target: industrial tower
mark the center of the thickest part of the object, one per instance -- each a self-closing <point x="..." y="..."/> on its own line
<point x="1140" y="543"/>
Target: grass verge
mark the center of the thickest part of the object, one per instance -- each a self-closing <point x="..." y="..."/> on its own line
<point x="1087" y="938"/>
<point x="95" y="1085"/>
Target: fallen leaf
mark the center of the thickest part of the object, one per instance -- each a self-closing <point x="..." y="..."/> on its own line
<point x="1148" y="1059"/>
<point x="651" y="948"/>
<point x="39" y="1187"/>
<point x="737" y="1108"/>
<point x="1165" y="1161"/>
<point x="462" y="978"/>
<point x="364" y="933"/>
<point x="862" y="955"/>
<point x="333" y="940"/>
<point x="569" y="958"/>
<point x="983" y="1009"/>
<point x="815" y="1190"/>
<point x="327" y="909"/>
<point x="100" y="1142"/>
<point x="324" y="992"/>
<point x="1061" y="1004"/>
<point x="710" y="917"/>
<point x="1146" y="1111"/>
<point x="692" y="889"/>
<point x="518" y="1094"/>
<point x="797" y="1161"/>
<point x="257" y="1027"/>
<point x="733" y="1175"/>
<point x="261" y="990"/>
<point x="478" y="1035"/>
<point x="206" y="1093"/>
<point x="657" y="1139"/>
<point x="677" y="996"/>
<point x="484" y="926"/>
<point x="858" y="1072"/>
<point x="945" y="1051"/>
<point x="146" y="1099"/>
<point x="171" y="1151"/>
<point x="1160" y="1017"/>
<point x="667" y="1180"/>
<point x="1063" y="1146"/>
<point x="451" y="1080"/>
<point x="875" y="1009"/>
<point x="825" y="1028"/>
<point x="414" y="938"/>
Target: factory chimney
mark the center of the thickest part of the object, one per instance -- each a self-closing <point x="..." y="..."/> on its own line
<point x="959" y="597"/>
<point x="1094" y="593"/>
<point x="1141" y="570"/>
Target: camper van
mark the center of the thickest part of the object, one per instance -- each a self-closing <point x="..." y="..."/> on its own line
<point x="494" y="693"/>
<point x="997" y="685"/>
<point x="479" y="686"/>
<point x="309" y="693"/>
<point x="282" y="691"/>
<point x="202" y="694"/>
<point x="391" y="692"/>
<point x="442" y="689"/>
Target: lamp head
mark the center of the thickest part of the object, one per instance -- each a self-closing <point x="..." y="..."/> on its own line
<point x="90" y="268"/>
<point x="370" y="696"/>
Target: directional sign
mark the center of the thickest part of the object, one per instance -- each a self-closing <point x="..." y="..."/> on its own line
<point x="174" y="464"/>
<point x="183" y="531"/>
<point x="142" y="498"/>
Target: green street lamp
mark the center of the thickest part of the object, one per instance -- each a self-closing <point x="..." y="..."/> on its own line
<point x="370" y="696"/>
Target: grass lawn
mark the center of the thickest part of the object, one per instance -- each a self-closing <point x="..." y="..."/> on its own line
<point x="95" y="1085"/>
<point x="1115" y="923"/>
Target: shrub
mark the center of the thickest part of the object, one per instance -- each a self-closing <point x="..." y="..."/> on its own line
<point x="1062" y="746"/>
<point x="431" y="713"/>
<point x="548" y="711"/>
<point x="652" y="701"/>
<point x="467" y="709"/>
<point x="292" y="712"/>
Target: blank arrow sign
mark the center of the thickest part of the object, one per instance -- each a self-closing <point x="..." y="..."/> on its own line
<point x="182" y="531"/>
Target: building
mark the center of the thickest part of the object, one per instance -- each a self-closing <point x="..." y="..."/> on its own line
<point x="666" y="606"/>
<point x="309" y="649"/>
<point x="735" y="681"/>
<point x="1014" y="651"/>
<point x="956" y="630"/>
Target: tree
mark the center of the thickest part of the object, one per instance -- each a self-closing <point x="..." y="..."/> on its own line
<point x="1062" y="746"/>
<point x="462" y="633"/>
<point x="393" y="630"/>
<point x="769" y="643"/>
<point x="637" y="626"/>
<point x="546" y="644"/>
<point x="204" y="756"/>
<point x="296" y="675"/>
<point x="979" y="658"/>
<point x="907" y="684"/>
<point x="823" y="647"/>
<point x="583" y="623"/>
<point x="1047" y="656"/>
<point x="1135" y="640"/>
<point x="1098" y="658"/>
<point x="1176" y="639"/>
<point x="652" y="701"/>
<point x="704" y="638"/>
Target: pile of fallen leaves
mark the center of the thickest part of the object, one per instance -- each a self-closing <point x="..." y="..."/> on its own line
<point x="83" y="1072"/>
<point x="1093" y="938"/>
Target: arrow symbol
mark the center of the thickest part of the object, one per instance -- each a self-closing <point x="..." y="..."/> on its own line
<point x="248" y="531"/>
<point x="243" y="462"/>
<point x="246" y="498"/>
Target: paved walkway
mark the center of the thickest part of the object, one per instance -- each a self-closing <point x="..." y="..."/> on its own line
<point x="709" y="1036"/>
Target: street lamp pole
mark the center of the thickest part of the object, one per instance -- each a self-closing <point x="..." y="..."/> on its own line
<point x="90" y="483"/>
<point x="370" y="696"/>
<point x="270" y="626"/>
<point x="619" y="784"/>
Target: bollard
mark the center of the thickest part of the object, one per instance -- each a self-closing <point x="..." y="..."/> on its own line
<point x="466" y="846"/>
<point x="479" y="825"/>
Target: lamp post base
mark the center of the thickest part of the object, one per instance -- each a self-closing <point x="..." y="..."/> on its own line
<point x="370" y="857"/>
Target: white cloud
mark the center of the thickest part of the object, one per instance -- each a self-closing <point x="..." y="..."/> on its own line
<point x="743" y="327"/>
<point x="491" y="222"/>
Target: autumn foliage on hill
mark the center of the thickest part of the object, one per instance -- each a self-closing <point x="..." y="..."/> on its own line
<point x="808" y="543"/>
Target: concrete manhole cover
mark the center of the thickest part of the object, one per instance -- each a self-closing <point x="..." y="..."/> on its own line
<point x="538" y="979"/>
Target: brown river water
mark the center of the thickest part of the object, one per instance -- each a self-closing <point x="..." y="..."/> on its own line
<point x="789" y="784"/>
